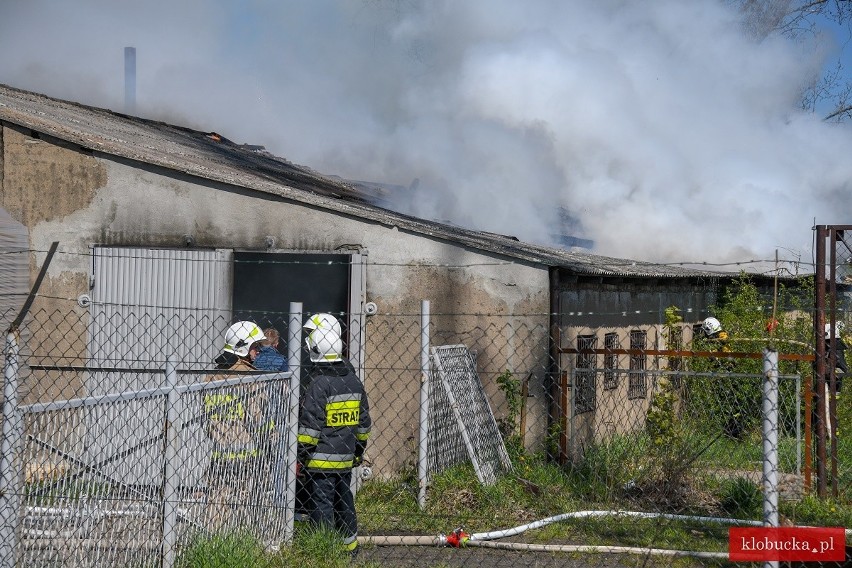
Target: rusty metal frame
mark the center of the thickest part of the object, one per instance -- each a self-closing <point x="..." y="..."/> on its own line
<point x="825" y="308"/>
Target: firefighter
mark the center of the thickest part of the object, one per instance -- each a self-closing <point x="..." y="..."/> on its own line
<point x="304" y="500"/>
<point x="334" y="425"/>
<point x="711" y="330"/>
<point x="235" y="415"/>
<point x="237" y="424"/>
<point x="732" y="401"/>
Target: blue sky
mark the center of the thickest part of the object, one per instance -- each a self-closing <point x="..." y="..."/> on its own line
<point x="665" y="131"/>
<point x="841" y="52"/>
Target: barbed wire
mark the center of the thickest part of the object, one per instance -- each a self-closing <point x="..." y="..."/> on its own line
<point x="612" y="262"/>
<point x="433" y="313"/>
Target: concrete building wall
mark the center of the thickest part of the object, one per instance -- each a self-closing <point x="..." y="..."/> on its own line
<point x="593" y="309"/>
<point x="61" y="193"/>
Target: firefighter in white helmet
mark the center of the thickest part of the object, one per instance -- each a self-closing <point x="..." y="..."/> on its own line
<point x="334" y="425"/>
<point x="235" y="416"/>
<point x="323" y="322"/>
<point x="714" y="338"/>
<point x="713" y="335"/>
<point x="711" y="328"/>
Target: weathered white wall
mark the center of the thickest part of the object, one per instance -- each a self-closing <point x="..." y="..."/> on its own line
<point x="496" y="307"/>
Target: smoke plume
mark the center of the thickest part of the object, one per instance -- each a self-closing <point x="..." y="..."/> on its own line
<point x="661" y="130"/>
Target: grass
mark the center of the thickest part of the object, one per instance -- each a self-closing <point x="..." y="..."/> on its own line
<point x="728" y="453"/>
<point x="237" y="549"/>
<point x="457" y="499"/>
<point x="538" y="489"/>
<point x="312" y="548"/>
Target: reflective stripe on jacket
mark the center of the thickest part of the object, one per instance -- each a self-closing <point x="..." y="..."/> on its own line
<point x="334" y="423"/>
<point x="235" y="418"/>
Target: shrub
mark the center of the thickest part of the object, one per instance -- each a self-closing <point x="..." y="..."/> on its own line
<point x="741" y="498"/>
<point x="609" y="468"/>
<point x="733" y="404"/>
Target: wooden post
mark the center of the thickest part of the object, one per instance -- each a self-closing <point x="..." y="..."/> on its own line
<point x="525" y="392"/>
<point x="564" y="402"/>
<point x="808" y="395"/>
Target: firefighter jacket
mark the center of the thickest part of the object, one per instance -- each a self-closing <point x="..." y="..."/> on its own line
<point x="334" y="422"/>
<point x="236" y="418"/>
<point x="719" y="341"/>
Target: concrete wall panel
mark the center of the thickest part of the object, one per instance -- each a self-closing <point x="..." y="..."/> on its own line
<point x="495" y="307"/>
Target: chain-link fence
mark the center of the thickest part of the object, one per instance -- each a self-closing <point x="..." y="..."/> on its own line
<point x="491" y="431"/>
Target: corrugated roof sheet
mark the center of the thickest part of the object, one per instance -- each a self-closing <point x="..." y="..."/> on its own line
<point x="212" y="156"/>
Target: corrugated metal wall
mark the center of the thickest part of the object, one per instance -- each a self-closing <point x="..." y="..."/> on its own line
<point x="14" y="268"/>
<point x="147" y="305"/>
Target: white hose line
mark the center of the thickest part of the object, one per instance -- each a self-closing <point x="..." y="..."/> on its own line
<point x="586" y="514"/>
<point x="403" y="540"/>
<point x="520" y="546"/>
<point x="482" y="539"/>
<point x="595" y="549"/>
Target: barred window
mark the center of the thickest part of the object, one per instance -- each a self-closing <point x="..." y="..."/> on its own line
<point x="611" y="361"/>
<point x="637" y="386"/>
<point x="584" y="388"/>
<point x="676" y="343"/>
<point x="696" y="330"/>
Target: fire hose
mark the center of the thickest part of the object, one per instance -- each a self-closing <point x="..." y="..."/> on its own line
<point x="459" y="538"/>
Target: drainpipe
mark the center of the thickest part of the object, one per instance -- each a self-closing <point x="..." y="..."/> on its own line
<point x="551" y="382"/>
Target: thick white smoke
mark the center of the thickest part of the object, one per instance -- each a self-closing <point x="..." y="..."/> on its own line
<point x="666" y="132"/>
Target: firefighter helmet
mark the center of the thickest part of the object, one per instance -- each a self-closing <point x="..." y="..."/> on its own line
<point x="323" y="339"/>
<point x="711" y="326"/>
<point x="240" y="337"/>
<point x="322" y="321"/>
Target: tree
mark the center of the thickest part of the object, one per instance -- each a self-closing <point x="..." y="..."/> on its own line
<point x="800" y="20"/>
<point x="730" y="400"/>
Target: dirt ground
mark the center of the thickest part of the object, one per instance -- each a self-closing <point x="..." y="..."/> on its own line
<point x="470" y="557"/>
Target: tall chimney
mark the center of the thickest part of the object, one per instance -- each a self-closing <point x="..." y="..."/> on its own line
<point x="130" y="80"/>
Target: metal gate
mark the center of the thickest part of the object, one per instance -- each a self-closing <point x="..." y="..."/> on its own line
<point x="81" y="507"/>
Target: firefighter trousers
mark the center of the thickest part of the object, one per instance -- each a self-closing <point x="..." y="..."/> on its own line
<point x="334" y="505"/>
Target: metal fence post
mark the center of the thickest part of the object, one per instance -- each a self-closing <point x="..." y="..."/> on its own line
<point x="294" y="358"/>
<point x="423" y="454"/>
<point x="170" y="498"/>
<point x="770" y="438"/>
<point x="798" y="425"/>
<point x="10" y="474"/>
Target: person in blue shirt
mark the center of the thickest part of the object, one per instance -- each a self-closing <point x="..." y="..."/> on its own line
<point x="267" y="357"/>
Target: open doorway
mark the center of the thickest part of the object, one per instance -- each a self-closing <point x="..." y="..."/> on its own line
<point x="264" y="285"/>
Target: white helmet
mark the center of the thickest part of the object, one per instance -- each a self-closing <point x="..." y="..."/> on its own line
<point x="711" y="326"/>
<point x="240" y="336"/>
<point x="323" y="341"/>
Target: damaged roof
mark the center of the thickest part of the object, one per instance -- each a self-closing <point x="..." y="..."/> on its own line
<point x="212" y="156"/>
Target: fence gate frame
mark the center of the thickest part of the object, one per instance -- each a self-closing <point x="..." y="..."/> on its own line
<point x="167" y="503"/>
